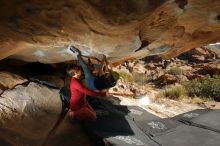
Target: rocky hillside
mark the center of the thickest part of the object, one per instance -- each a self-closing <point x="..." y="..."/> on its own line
<point x="197" y="66"/>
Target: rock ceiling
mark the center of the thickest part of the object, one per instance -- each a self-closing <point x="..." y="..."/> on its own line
<point x="42" y="30"/>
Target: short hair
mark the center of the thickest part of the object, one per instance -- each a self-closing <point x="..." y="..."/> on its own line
<point x="72" y="69"/>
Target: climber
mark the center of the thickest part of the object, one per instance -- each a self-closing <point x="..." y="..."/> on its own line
<point x="80" y="108"/>
<point x="104" y="79"/>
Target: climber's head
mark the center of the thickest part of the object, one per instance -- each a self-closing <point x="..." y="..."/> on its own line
<point x="74" y="71"/>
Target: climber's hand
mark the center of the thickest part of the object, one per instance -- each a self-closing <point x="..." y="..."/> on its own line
<point x="75" y="50"/>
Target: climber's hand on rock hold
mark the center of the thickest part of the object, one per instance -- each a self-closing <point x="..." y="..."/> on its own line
<point x="75" y="50"/>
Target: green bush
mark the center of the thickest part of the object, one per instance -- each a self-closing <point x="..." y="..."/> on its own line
<point x="115" y="75"/>
<point x="208" y="87"/>
<point x="175" y="71"/>
<point x="140" y="78"/>
<point x="174" y="92"/>
<point x="126" y="76"/>
<point x="193" y="87"/>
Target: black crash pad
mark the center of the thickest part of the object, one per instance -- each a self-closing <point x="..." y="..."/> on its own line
<point x="204" y="118"/>
<point x="185" y="135"/>
<point x="118" y="127"/>
<point x="175" y="132"/>
<point x="191" y="115"/>
<point x="136" y="113"/>
<point x="158" y="127"/>
<point x="133" y="126"/>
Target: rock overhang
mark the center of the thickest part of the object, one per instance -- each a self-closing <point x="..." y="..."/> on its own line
<point x="43" y="30"/>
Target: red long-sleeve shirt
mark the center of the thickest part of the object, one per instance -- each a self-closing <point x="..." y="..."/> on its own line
<point x="78" y="94"/>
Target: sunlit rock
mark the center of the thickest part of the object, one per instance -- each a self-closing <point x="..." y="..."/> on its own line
<point x="43" y="30"/>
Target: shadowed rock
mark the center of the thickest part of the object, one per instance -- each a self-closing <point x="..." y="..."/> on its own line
<point x="28" y="113"/>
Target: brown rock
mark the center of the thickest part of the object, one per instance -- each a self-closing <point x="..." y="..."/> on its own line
<point x="160" y="72"/>
<point x="212" y="68"/>
<point x="167" y="79"/>
<point x="120" y="29"/>
<point x="199" y="55"/>
<point x="115" y="89"/>
<point x="121" y="86"/>
<point x="191" y="76"/>
<point x="9" y="80"/>
<point x="153" y="59"/>
<point x="55" y="80"/>
<point x="133" y="90"/>
<point x="150" y="66"/>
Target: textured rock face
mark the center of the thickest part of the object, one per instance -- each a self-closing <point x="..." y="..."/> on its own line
<point x="199" y="55"/>
<point x="41" y="30"/>
<point x="212" y="68"/>
<point x="29" y="110"/>
<point x="28" y="113"/>
<point x="10" y="80"/>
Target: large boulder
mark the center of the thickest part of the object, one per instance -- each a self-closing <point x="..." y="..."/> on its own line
<point x="28" y="113"/>
<point x="167" y="79"/>
<point x="212" y="68"/>
<point x="199" y="55"/>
